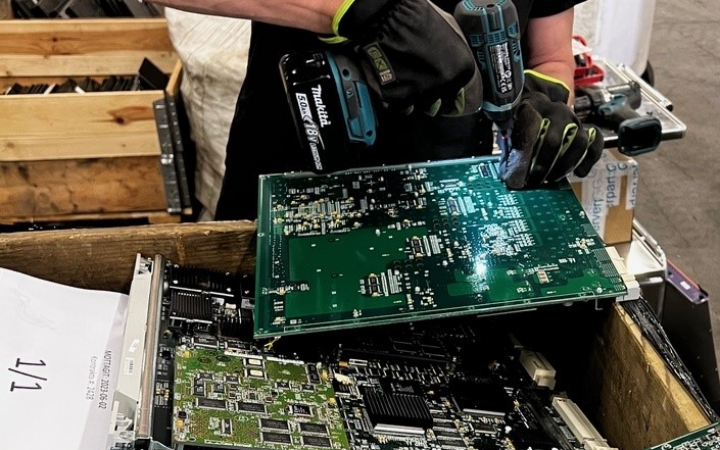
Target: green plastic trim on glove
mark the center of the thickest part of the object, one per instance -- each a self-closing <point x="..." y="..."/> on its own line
<point x="413" y="55"/>
<point x="555" y="84"/>
<point x="344" y="7"/>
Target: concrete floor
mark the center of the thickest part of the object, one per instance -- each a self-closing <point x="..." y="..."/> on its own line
<point x="679" y="192"/>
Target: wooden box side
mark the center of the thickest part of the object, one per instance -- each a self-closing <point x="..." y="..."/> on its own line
<point x="76" y="126"/>
<point x="83" y="47"/>
<point x="62" y="188"/>
<point x="104" y="258"/>
<point x="640" y="402"/>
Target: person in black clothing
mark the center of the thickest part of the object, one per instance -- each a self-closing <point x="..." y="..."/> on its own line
<point x="434" y="76"/>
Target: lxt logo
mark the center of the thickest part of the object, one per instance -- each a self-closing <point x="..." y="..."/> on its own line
<point x="380" y="63"/>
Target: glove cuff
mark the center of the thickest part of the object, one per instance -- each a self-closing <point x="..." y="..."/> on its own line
<point x="355" y="16"/>
<point x="555" y="89"/>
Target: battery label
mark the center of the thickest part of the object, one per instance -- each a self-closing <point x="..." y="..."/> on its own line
<point x="312" y="131"/>
<point x="502" y="67"/>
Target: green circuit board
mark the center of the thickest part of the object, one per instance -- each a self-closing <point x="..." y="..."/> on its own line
<point x="707" y="438"/>
<point x="249" y="401"/>
<point x="406" y="243"/>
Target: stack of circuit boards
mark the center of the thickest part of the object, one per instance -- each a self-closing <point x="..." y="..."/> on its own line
<point x="460" y="385"/>
<point x="407" y="243"/>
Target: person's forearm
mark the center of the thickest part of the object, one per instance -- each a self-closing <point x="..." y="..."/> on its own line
<point x="550" y="46"/>
<point x="311" y="15"/>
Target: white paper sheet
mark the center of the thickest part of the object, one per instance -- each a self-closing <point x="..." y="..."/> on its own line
<point x="59" y="352"/>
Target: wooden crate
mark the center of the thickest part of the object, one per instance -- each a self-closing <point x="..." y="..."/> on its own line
<point x="636" y="401"/>
<point x="81" y="156"/>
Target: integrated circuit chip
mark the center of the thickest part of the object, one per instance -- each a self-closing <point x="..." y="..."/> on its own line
<point x="316" y="441"/>
<point x="317" y="428"/>
<point x="277" y="438"/>
<point x="300" y="410"/>
<point x="251" y="407"/>
<point x="211" y="403"/>
<point x="274" y="424"/>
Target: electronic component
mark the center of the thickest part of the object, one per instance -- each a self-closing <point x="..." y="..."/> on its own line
<point x="539" y="369"/>
<point x="261" y="415"/>
<point x="190" y="308"/>
<point x="436" y="384"/>
<point x="276" y="438"/>
<point x="397" y="409"/>
<point x="274" y="424"/>
<point x="707" y="438"/>
<point x="481" y="397"/>
<point x="316" y="441"/>
<point x="428" y="240"/>
<point x="211" y="403"/>
<point x="579" y="424"/>
<point x="317" y="428"/>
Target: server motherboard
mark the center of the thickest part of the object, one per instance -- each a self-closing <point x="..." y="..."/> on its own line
<point x="406" y="243"/>
<point x="464" y="384"/>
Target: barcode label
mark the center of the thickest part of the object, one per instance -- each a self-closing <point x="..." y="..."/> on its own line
<point x="129" y="366"/>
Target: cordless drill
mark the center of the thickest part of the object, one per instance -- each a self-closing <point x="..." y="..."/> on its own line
<point x="331" y="105"/>
<point x="492" y="30"/>
<point x="614" y="108"/>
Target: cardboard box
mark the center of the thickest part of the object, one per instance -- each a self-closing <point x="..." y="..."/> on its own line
<point x="608" y="196"/>
<point x="629" y="393"/>
<point x="81" y="156"/>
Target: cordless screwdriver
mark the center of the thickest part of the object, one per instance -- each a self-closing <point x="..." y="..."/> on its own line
<point x="332" y="108"/>
<point x="492" y="30"/>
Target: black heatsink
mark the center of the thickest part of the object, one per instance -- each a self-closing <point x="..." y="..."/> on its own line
<point x="398" y="409"/>
<point x="190" y="305"/>
<point x="205" y="280"/>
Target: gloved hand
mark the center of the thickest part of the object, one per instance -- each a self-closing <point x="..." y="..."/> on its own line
<point x="413" y="54"/>
<point x="548" y="140"/>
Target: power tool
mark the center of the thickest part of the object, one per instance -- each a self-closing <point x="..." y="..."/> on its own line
<point x="614" y="108"/>
<point x="332" y="107"/>
<point x="492" y="30"/>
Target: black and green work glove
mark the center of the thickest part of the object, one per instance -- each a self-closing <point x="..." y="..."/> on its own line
<point x="548" y="140"/>
<point x="413" y="54"/>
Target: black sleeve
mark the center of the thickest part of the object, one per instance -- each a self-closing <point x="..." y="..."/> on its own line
<point x="544" y="8"/>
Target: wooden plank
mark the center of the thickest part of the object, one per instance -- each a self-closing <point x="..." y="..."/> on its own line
<point x="82" y="36"/>
<point x="640" y="403"/>
<point x="66" y="115"/>
<point x="123" y="62"/>
<point x="60" y="187"/>
<point x="139" y="218"/>
<point x="173" y="86"/>
<point x="108" y="145"/>
<point x="103" y="258"/>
